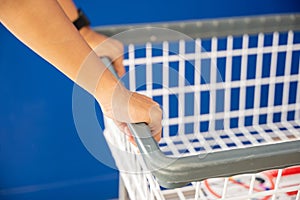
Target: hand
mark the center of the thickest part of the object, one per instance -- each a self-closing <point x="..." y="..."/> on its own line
<point x="140" y="109"/>
<point x="105" y="47"/>
<point x="124" y="106"/>
<point x="116" y="101"/>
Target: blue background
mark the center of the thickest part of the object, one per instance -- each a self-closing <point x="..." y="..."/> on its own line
<point x="41" y="155"/>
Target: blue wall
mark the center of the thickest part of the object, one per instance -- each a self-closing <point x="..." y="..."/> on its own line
<point x="41" y="156"/>
<point x="136" y="11"/>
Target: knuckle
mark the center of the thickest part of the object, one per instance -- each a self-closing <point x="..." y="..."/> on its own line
<point x="156" y="113"/>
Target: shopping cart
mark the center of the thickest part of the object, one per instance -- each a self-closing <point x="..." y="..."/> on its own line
<point x="230" y="94"/>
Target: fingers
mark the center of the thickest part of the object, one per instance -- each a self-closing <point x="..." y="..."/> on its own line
<point x="130" y="136"/>
<point x="117" y="56"/>
<point x="122" y="126"/>
<point x="124" y="106"/>
<point x="118" y="66"/>
<point x="125" y="129"/>
<point x="155" y="122"/>
<point x="144" y="109"/>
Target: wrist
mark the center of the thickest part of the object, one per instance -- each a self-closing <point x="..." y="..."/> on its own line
<point x="85" y="32"/>
<point x="109" y="93"/>
<point x="106" y="87"/>
<point x="81" y="21"/>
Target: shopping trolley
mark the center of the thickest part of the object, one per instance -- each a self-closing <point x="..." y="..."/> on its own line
<point x="229" y="90"/>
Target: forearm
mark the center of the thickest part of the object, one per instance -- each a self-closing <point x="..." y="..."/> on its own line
<point x="43" y="26"/>
<point x="69" y="8"/>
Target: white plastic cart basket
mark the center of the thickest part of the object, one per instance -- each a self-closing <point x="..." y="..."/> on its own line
<point x="231" y="103"/>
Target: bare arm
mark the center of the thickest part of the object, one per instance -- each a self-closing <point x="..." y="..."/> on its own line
<point x="45" y="28"/>
<point x="102" y="45"/>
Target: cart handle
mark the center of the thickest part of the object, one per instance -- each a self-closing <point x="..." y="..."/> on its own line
<point x="173" y="172"/>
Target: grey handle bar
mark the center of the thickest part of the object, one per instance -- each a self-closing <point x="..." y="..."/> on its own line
<point x="173" y="172"/>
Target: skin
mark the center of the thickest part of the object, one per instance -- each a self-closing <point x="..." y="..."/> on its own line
<point x="109" y="47"/>
<point x="45" y="28"/>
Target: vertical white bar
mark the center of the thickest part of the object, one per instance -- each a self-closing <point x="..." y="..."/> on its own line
<point x="277" y="183"/>
<point x="297" y="107"/>
<point x="149" y="69"/>
<point x="228" y="70"/>
<point x="251" y="185"/>
<point x="123" y="195"/>
<point x="271" y="96"/>
<point x="181" y="102"/>
<point x="242" y="97"/>
<point x="148" y="191"/>
<point x="139" y="193"/>
<point x="197" y="190"/>
<point x="132" y="186"/>
<point x="131" y="57"/>
<point x="213" y="93"/>
<point x="213" y="81"/>
<point x="298" y="195"/>
<point x="257" y="89"/>
<point x="155" y="186"/>
<point x="197" y="77"/>
<point x="287" y="74"/>
<point x="225" y="188"/>
<point x="197" y="100"/>
<point x="197" y="110"/>
<point x="165" y="77"/>
<point x="202" y="195"/>
<point x="137" y="177"/>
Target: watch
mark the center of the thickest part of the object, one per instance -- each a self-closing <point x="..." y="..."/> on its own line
<point x="81" y="21"/>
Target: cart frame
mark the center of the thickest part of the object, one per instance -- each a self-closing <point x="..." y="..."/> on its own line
<point x="237" y="161"/>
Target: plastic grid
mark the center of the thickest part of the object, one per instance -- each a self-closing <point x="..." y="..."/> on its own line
<point x="244" y="84"/>
<point x="216" y="94"/>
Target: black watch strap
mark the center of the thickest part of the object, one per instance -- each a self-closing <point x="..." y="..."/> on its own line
<point x="81" y="21"/>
